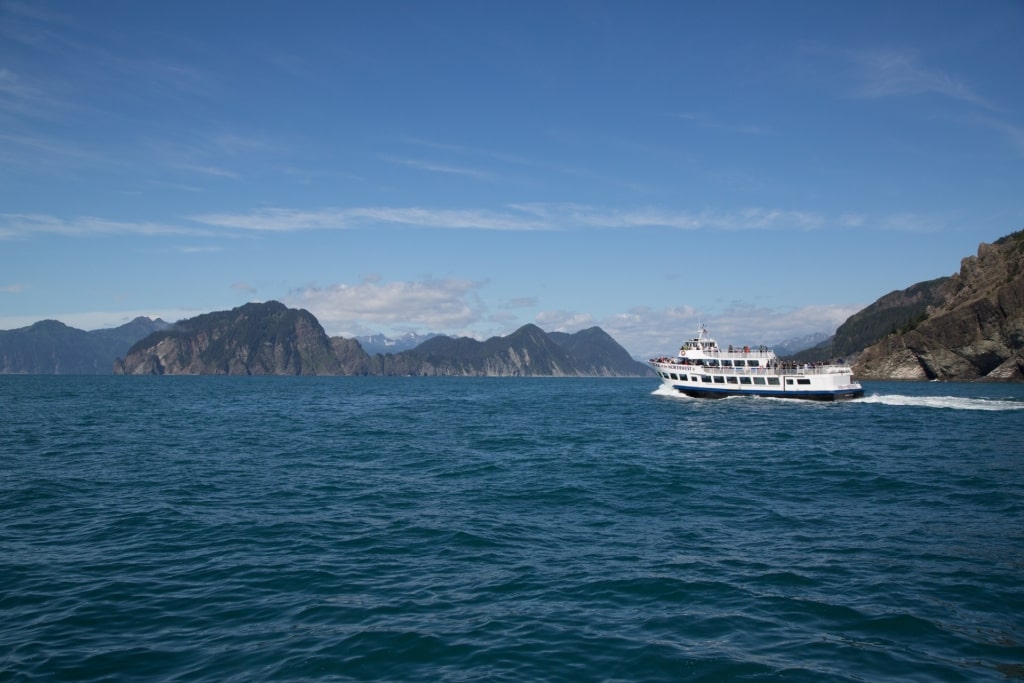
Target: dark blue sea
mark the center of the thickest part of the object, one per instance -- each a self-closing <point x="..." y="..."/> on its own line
<point x="433" y="529"/>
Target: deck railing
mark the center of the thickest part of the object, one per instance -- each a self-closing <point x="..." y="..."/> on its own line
<point x="779" y="369"/>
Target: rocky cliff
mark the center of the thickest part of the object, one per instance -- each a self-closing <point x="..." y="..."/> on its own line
<point x="254" y="339"/>
<point x="975" y="333"/>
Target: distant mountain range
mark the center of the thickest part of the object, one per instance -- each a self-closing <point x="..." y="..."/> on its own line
<point x="52" y="348"/>
<point x="797" y="344"/>
<point x="271" y="339"/>
<point x="379" y="343"/>
<point x="964" y="327"/>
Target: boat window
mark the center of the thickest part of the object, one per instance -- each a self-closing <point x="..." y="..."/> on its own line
<point x="754" y="363"/>
<point x="705" y="378"/>
<point x="712" y="363"/>
<point x="803" y="381"/>
<point x="759" y="380"/>
<point x="740" y="363"/>
<point x="773" y="380"/>
<point x="789" y="380"/>
<point x="731" y="379"/>
<point x="693" y="378"/>
<point x="728" y="363"/>
<point x="744" y="380"/>
<point x="719" y="379"/>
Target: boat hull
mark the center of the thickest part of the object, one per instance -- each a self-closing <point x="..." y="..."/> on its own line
<point x="829" y="395"/>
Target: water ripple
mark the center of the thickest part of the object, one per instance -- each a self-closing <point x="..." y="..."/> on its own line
<point x="219" y="529"/>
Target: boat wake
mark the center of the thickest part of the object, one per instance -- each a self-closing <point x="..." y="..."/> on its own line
<point x="951" y="402"/>
<point x="947" y="402"/>
<point x="664" y="390"/>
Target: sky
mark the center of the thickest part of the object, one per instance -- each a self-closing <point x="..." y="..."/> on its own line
<point x="764" y="168"/>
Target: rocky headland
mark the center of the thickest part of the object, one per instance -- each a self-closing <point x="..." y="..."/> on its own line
<point x="975" y="331"/>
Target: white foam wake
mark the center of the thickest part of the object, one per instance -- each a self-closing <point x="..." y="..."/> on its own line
<point x="665" y="390"/>
<point x="953" y="402"/>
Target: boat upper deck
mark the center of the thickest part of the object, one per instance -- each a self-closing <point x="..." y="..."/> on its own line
<point x="746" y="365"/>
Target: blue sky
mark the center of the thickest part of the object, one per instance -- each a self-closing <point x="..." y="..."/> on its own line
<point x="466" y="168"/>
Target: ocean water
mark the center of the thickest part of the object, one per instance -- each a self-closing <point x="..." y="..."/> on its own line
<point x="433" y="529"/>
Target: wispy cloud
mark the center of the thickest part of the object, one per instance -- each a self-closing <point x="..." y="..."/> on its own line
<point x="20" y="225"/>
<point x="706" y="121"/>
<point x="1014" y="135"/>
<point x="46" y="149"/>
<point x="536" y="216"/>
<point x="512" y="217"/>
<point x="278" y="220"/>
<point x="12" y="289"/>
<point x="893" y="73"/>
<point x="208" y="170"/>
<point x="286" y="220"/>
<point x="16" y="96"/>
<point x="195" y="249"/>
<point x="434" y="167"/>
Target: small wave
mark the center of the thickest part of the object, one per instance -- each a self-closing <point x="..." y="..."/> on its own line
<point x="951" y="402"/>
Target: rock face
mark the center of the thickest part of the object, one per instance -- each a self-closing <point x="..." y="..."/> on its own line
<point x="975" y="333"/>
<point x="254" y="339"/>
<point x="527" y="352"/>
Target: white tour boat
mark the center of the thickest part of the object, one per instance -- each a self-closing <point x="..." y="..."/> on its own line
<point x="703" y="370"/>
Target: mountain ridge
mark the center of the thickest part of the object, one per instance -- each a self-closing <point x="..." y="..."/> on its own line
<point x="269" y="338"/>
<point x="52" y="348"/>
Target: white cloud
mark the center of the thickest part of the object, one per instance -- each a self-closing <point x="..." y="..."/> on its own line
<point x="564" y="321"/>
<point x="12" y="289"/>
<point x="366" y="307"/>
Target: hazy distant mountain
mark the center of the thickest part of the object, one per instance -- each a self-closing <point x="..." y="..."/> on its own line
<point x="791" y="346"/>
<point x="379" y="343"/>
<point x="50" y="347"/>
